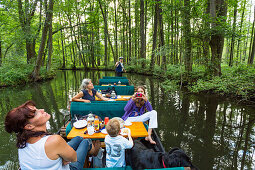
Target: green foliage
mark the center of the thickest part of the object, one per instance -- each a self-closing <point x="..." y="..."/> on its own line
<point x="170" y="85"/>
<point x="16" y="71"/>
<point x="238" y="81"/>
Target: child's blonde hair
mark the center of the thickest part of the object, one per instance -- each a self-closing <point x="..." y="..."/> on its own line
<point x="113" y="127"/>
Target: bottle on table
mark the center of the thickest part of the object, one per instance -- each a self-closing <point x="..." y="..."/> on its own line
<point x="119" y="83"/>
<point x="96" y="123"/>
<point x="113" y="94"/>
<point x="106" y="119"/>
<point x="90" y="120"/>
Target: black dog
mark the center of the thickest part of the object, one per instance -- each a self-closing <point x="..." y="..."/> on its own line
<point x="139" y="157"/>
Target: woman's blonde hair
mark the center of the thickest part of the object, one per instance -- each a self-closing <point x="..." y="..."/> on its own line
<point x="113" y="127"/>
<point x="84" y="84"/>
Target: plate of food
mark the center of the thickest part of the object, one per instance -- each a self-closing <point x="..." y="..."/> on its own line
<point x="80" y="124"/>
<point x="126" y="97"/>
<point x="124" y="131"/>
<point x="127" y="123"/>
<point x="104" y="131"/>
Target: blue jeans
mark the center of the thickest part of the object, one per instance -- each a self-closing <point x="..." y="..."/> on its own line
<point x="81" y="146"/>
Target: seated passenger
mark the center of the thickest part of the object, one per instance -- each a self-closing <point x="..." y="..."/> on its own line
<point x="135" y="111"/>
<point x="39" y="150"/>
<point x="116" y="144"/>
<point x="87" y="93"/>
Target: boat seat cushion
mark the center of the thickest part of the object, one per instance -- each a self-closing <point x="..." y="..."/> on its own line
<point x="101" y="108"/>
<point x="120" y="90"/>
<point x="129" y="168"/>
<point x="112" y="81"/>
<point x="114" y="77"/>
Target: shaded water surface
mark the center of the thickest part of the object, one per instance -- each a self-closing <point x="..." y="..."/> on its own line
<point x="215" y="132"/>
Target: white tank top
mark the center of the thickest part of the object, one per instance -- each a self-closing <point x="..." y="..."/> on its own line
<point x="33" y="156"/>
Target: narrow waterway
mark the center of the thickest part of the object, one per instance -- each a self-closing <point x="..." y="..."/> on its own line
<point x="216" y="132"/>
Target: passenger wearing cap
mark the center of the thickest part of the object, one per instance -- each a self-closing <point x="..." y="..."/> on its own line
<point x="119" y="67"/>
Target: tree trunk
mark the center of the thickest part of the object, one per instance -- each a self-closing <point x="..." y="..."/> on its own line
<point x="251" y="58"/>
<point x="161" y="36"/>
<point x="63" y="50"/>
<point x="142" y="36"/>
<point x="1" y="56"/>
<point x="136" y="32"/>
<point x="92" y="48"/>
<point x="240" y="33"/>
<point x="218" y="7"/>
<point x="116" y="32"/>
<point x="176" y="60"/>
<point x="187" y="36"/>
<point x="106" y="27"/>
<point x="233" y="37"/>
<point x="49" y="13"/>
<point x="25" y="22"/>
<point x="252" y="44"/>
<point x="129" y="32"/>
<point x="105" y="40"/>
<point x="155" y="30"/>
<point x="48" y="66"/>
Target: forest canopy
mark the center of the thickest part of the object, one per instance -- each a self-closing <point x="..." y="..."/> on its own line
<point x="207" y="40"/>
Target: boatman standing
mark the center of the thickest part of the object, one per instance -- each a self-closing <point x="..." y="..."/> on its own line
<point x="119" y="67"/>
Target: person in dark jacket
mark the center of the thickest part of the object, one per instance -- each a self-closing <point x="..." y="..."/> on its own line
<point x="119" y="67"/>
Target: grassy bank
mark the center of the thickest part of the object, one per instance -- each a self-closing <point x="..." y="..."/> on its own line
<point x="19" y="73"/>
<point x="236" y="81"/>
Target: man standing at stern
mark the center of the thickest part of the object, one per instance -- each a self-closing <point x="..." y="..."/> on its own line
<point x="119" y="67"/>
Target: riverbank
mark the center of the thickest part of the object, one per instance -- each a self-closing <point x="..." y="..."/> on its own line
<point x="20" y="74"/>
<point x="237" y="82"/>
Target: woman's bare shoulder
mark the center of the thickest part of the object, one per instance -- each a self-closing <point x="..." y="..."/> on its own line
<point x="55" y="139"/>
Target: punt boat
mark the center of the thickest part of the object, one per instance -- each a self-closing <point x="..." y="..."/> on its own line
<point x="108" y="109"/>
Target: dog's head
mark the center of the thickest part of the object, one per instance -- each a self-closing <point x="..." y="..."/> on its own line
<point x="177" y="158"/>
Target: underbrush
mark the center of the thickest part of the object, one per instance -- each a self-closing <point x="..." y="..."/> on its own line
<point x="237" y="81"/>
<point x="18" y="72"/>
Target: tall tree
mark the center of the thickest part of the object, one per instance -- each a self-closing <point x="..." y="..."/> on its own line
<point x="233" y="36"/>
<point x="106" y="27"/>
<point x="240" y="32"/>
<point x="116" y="31"/>
<point x="155" y="32"/>
<point x="48" y="66"/>
<point x="142" y="33"/>
<point x="187" y="36"/>
<point x="49" y="14"/>
<point x="26" y="15"/>
<point x="129" y="32"/>
<point x="252" y="45"/>
<point x="0" y="51"/>
<point x="218" y="11"/>
<point x="161" y="36"/>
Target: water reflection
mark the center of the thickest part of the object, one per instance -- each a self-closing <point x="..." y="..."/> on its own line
<point x="217" y="133"/>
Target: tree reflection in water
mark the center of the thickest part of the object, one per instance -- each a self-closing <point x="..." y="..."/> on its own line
<point x="216" y="132"/>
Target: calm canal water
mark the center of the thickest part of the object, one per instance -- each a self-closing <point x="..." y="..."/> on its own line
<point x="215" y="132"/>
